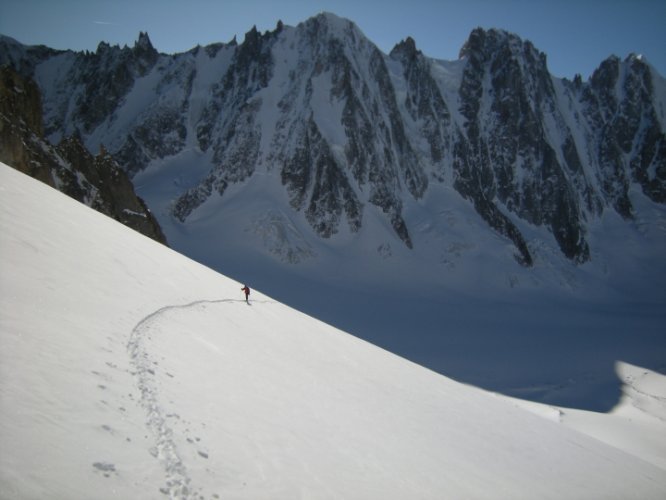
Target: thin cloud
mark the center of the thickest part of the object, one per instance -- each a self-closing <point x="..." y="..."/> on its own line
<point x="104" y="23"/>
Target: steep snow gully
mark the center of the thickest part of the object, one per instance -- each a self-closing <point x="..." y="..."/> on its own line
<point x="144" y="366"/>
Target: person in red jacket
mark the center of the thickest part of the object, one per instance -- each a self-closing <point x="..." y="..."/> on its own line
<point x="246" y="289"/>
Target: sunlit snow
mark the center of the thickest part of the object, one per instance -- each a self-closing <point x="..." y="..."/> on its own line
<point x="130" y="371"/>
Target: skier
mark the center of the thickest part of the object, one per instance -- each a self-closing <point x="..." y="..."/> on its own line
<point x="246" y="289"/>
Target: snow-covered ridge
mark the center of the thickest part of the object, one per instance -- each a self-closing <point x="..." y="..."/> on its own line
<point x="145" y="374"/>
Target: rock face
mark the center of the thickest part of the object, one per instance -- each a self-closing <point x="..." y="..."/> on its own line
<point x="98" y="181"/>
<point x="348" y="127"/>
<point x="504" y="154"/>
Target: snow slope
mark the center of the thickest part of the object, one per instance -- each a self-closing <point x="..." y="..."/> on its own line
<point x="458" y="303"/>
<point x="129" y="371"/>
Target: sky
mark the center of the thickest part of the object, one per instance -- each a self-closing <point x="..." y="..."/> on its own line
<point x="576" y="35"/>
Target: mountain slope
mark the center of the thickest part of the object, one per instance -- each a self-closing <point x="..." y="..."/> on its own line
<point x="477" y="216"/>
<point x="145" y="374"/>
<point x="98" y="181"/>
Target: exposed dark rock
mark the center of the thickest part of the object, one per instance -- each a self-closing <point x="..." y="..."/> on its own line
<point x="97" y="181"/>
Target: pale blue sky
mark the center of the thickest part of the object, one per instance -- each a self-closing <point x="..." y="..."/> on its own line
<point x="576" y="35"/>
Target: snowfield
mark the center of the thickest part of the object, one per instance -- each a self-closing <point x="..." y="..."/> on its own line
<point x="130" y="371"/>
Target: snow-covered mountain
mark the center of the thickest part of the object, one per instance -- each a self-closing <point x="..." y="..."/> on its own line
<point x="130" y="371"/>
<point x="455" y="212"/>
<point x="350" y="132"/>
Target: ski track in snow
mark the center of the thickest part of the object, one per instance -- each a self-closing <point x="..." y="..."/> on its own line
<point x="165" y="449"/>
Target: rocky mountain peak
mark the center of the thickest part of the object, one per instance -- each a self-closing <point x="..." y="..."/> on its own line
<point x="144" y="51"/>
<point x="499" y="45"/>
<point x="102" y="48"/>
<point x="406" y="50"/>
<point x="143" y="42"/>
<point x="607" y="73"/>
<point x="327" y="26"/>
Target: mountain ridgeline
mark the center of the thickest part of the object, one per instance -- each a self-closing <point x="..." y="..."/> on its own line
<point x="348" y="127"/>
